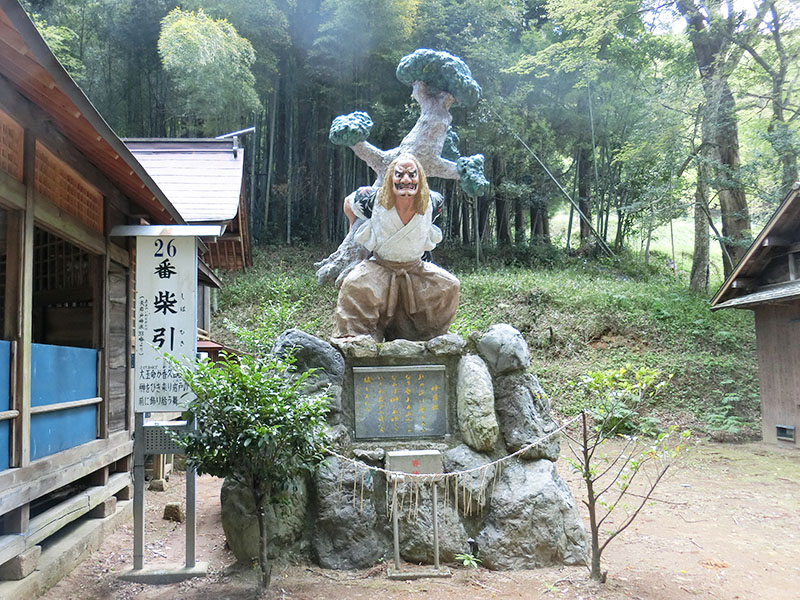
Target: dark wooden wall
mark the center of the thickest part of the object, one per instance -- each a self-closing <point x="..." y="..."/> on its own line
<point x="778" y="342"/>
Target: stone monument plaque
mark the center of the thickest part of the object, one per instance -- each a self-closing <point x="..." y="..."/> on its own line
<point x="400" y="402"/>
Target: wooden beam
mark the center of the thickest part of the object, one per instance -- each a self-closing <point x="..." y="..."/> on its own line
<point x="99" y="477"/>
<point x="22" y="402"/>
<point x="743" y="283"/>
<point x="50" y="521"/>
<point x="18" y="517"/>
<point x="45" y="475"/>
<point x="119" y="255"/>
<point x="47" y="408"/>
<point x="14" y="228"/>
<point x="103" y="323"/>
<point x="5" y="415"/>
<point x="774" y="241"/>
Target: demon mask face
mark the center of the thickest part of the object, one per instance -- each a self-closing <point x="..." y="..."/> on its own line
<point x="405" y="178"/>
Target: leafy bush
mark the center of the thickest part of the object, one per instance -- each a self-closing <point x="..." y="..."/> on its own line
<point x="253" y="425"/>
<point x="614" y="398"/>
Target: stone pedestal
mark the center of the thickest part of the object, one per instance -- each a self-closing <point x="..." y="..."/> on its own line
<point x="525" y="517"/>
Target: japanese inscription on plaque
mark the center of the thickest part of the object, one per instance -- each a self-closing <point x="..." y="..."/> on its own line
<point x="166" y="322"/>
<point x="400" y="402"/>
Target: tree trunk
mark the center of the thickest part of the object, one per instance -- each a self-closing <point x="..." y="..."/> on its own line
<point x="466" y="220"/>
<point x="591" y="502"/>
<point x="454" y="212"/>
<point x="732" y="200"/>
<point x="502" y="231"/>
<point x="715" y="62"/>
<point x="698" y="280"/>
<point x="501" y="214"/>
<point x="519" y="223"/>
<point x="273" y="110"/>
<point x="544" y="222"/>
<point x="584" y="195"/>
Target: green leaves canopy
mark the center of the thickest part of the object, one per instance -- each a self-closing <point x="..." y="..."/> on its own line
<point x="209" y="63"/>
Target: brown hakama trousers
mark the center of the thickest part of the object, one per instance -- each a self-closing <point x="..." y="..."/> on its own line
<point x="414" y="300"/>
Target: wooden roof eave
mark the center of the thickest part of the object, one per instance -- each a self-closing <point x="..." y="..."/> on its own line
<point x="756" y="248"/>
<point x="772" y="294"/>
<point x="207" y="276"/>
<point x="105" y="149"/>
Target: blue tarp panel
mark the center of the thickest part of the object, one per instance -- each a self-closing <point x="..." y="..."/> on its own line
<point x="62" y="374"/>
<point x="5" y="400"/>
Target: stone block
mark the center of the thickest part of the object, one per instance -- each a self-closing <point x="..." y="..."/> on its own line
<point x="504" y="349"/>
<point x="311" y="352"/>
<point x="286" y="519"/>
<point x="523" y="412"/>
<point x="173" y="511"/>
<point x="125" y="493"/>
<point x="416" y="528"/>
<point x="360" y="346"/>
<point x="348" y="533"/>
<point x="475" y="484"/>
<point x="449" y="344"/>
<point x="401" y="349"/>
<point x="475" y="400"/>
<point x="532" y="521"/>
<point x="21" y="565"/>
<point x="157" y="485"/>
<point x="105" y="509"/>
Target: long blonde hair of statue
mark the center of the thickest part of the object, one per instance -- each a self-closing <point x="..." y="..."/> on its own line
<point x="386" y="191"/>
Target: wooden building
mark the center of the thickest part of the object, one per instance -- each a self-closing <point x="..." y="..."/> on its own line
<point x="767" y="281"/>
<point x="65" y="290"/>
<point x="203" y="179"/>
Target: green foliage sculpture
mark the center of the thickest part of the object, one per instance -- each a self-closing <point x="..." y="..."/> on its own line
<point x="470" y="175"/>
<point x="254" y="425"/>
<point x="348" y="130"/>
<point x="441" y="72"/>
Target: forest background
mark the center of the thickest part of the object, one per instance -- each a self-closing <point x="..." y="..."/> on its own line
<point x="645" y="110"/>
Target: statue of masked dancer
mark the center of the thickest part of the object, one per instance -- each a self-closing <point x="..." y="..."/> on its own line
<point x="395" y="294"/>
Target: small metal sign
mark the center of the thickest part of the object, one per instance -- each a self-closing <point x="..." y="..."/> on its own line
<point x="400" y="402"/>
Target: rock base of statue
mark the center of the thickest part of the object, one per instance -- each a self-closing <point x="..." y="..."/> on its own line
<point x="517" y="512"/>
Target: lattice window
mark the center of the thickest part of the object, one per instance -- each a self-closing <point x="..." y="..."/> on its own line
<point x="12" y="141"/>
<point x="59" y="183"/>
<point x="58" y="265"/>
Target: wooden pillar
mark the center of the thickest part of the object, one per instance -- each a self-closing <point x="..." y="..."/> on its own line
<point x="100" y="321"/>
<point x="21" y="282"/>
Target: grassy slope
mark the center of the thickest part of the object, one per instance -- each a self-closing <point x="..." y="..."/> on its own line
<point x="577" y="316"/>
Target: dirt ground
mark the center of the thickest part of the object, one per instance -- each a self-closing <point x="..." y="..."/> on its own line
<point x="724" y="524"/>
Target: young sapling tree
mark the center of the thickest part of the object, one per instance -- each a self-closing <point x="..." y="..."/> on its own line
<point x="254" y="425"/>
<point x="615" y="398"/>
